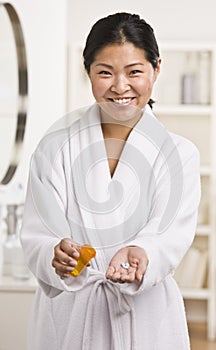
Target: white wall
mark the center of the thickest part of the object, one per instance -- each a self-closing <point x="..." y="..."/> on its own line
<point x="44" y="24"/>
<point x="185" y="19"/>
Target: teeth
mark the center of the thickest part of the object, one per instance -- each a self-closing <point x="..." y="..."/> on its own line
<point x="122" y="100"/>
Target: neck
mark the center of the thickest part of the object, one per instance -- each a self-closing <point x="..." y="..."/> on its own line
<point x="117" y="129"/>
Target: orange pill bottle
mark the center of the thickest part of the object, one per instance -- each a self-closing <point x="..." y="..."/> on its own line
<point x="86" y="254"/>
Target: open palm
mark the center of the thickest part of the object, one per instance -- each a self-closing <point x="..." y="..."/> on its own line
<point x="137" y="259"/>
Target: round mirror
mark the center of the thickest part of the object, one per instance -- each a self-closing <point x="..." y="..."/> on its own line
<point x="13" y="91"/>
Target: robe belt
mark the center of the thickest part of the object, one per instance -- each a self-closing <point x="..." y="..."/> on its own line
<point x="116" y="301"/>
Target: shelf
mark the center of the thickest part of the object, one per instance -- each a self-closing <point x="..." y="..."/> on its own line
<point x="198" y="294"/>
<point x="205" y="170"/>
<point x="183" y="109"/>
<point x="203" y="230"/>
<point x="10" y="284"/>
<point x="195" y="122"/>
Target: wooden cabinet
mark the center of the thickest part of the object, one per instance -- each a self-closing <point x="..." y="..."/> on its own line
<point x="16" y="299"/>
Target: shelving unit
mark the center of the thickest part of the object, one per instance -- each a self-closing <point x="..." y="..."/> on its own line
<point x="185" y="96"/>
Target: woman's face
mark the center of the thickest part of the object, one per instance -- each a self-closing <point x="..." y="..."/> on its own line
<point x="122" y="77"/>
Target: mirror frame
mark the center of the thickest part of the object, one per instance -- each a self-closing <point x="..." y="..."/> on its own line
<point x="22" y="93"/>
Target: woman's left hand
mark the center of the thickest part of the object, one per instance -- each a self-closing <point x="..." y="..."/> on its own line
<point x="138" y="262"/>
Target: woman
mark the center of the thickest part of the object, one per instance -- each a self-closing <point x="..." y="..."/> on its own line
<point x="117" y="180"/>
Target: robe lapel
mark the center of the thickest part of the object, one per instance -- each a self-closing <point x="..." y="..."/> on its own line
<point x="113" y="210"/>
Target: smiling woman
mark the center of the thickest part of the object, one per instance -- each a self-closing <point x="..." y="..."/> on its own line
<point x="118" y="181"/>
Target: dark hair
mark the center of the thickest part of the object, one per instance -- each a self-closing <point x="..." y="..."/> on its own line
<point x="117" y="29"/>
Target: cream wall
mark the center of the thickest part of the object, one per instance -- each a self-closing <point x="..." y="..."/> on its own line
<point x="186" y="19"/>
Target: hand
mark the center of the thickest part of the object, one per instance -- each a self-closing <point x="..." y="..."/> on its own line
<point x="137" y="259"/>
<point x="65" y="258"/>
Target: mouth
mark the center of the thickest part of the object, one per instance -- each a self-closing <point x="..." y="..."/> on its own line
<point x="122" y="101"/>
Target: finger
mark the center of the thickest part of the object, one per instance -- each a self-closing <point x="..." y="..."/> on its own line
<point x="141" y="269"/>
<point x="64" y="258"/>
<point x="60" y="269"/>
<point x="121" y="274"/>
<point x="61" y="266"/>
<point x="124" y="277"/>
<point x="133" y="262"/>
<point x="70" y="248"/>
<point x="139" y="276"/>
<point x="129" y="276"/>
<point x="74" y="253"/>
<point x="110" y="271"/>
<point x="63" y="276"/>
<point x="116" y="276"/>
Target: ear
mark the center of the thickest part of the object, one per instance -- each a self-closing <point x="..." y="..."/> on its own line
<point x="157" y="69"/>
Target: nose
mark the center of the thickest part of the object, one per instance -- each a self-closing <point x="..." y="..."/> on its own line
<point x="120" y="84"/>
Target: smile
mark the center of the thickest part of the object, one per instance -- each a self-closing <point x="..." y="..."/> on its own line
<point x="122" y="101"/>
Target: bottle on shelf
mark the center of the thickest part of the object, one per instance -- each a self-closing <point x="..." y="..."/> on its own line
<point x="14" y="262"/>
<point x="189" y="80"/>
<point x="9" y="241"/>
<point x="204" y="78"/>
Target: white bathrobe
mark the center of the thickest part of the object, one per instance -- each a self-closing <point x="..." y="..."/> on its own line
<point x="151" y="201"/>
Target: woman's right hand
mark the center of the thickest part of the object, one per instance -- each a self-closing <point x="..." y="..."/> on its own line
<point x="65" y="258"/>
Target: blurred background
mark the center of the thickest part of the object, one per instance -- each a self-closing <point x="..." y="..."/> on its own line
<point x="42" y="79"/>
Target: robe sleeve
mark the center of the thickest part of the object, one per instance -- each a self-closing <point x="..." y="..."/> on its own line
<point x="44" y="224"/>
<point x="165" y="250"/>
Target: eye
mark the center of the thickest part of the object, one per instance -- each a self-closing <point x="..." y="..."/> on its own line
<point x="104" y="72"/>
<point x="135" y="72"/>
